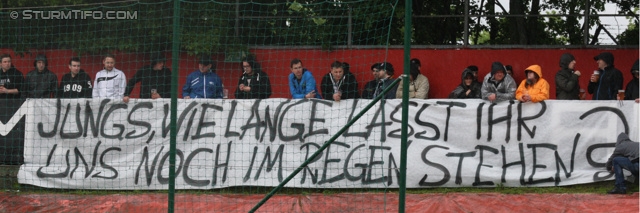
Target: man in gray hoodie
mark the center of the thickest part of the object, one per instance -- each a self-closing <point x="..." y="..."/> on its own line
<point x="625" y="156"/>
<point x="497" y="85"/>
<point x="40" y="82"/>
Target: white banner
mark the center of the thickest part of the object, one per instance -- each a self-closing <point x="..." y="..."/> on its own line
<point x="103" y="144"/>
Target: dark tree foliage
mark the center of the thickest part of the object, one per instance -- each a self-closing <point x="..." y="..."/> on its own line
<point x="210" y="26"/>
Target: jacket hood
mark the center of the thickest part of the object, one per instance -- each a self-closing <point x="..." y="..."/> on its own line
<point x="622" y="137"/>
<point x="466" y="72"/>
<point x="534" y="68"/>
<point x="606" y="57"/>
<point x="565" y="60"/>
<point x="256" y="73"/>
<point x="497" y="66"/>
<point x="41" y="57"/>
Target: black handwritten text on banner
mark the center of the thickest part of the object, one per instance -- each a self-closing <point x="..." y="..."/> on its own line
<point x="104" y="144"/>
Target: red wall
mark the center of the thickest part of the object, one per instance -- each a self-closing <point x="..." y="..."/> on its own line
<point x="442" y="67"/>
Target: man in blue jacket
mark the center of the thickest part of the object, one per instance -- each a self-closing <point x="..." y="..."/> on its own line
<point x="204" y="82"/>
<point x="301" y="82"/>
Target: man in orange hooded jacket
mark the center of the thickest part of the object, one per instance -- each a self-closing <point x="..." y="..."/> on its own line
<point x="534" y="88"/>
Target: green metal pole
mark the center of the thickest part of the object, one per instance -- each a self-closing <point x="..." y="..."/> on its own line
<point x="405" y="106"/>
<point x="324" y="146"/>
<point x="175" y="56"/>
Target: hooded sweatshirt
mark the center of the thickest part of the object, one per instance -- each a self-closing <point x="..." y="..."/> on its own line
<point x="78" y="86"/>
<point x="259" y="83"/>
<point x="567" y="84"/>
<point x="631" y="92"/>
<point x="624" y="148"/>
<point x="504" y="89"/>
<point x="40" y="84"/>
<point x="610" y="80"/>
<point x="538" y="91"/>
<point x="460" y="92"/>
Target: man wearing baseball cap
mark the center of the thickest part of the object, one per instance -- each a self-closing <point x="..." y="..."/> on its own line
<point x="204" y="82"/>
<point x="385" y="73"/>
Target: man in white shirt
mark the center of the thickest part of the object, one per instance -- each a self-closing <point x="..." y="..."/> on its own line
<point x="110" y="82"/>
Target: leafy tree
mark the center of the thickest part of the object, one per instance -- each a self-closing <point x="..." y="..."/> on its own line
<point x="209" y="26"/>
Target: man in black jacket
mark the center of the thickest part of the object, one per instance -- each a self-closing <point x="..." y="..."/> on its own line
<point x="11" y="79"/>
<point x="632" y="90"/>
<point x="339" y="84"/>
<point x="254" y="83"/>
<point x="385" y="78"/>
<point x="155" y="78"/>
<point x="606" y="86"/>
<point x="370" y="87"/>
<point x="76" y="83"/>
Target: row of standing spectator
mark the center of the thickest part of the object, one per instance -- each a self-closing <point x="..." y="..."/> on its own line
<point x="339" y="83"/>
<point x="606" y="83"/>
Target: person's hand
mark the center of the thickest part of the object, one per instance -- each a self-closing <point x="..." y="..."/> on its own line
<point x="492" y="97"/>
<point x="311" y="94"/>
<point x="577" y="73"/>
<point x="241" y="87"/>
<point x="637" y="100"/>
<point x="3" y="90"/>
<point x="525" y="98"/>
<point x="246" y="89"/>
<point x="618" y="98"/>
<point x="593" y="78"/>
<point x="337" y="96"/>
<point x="186" y="97"/>
<point x="468" y="91"/>
<point x="125" y="99"/>
<point x="155" y="96"/>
